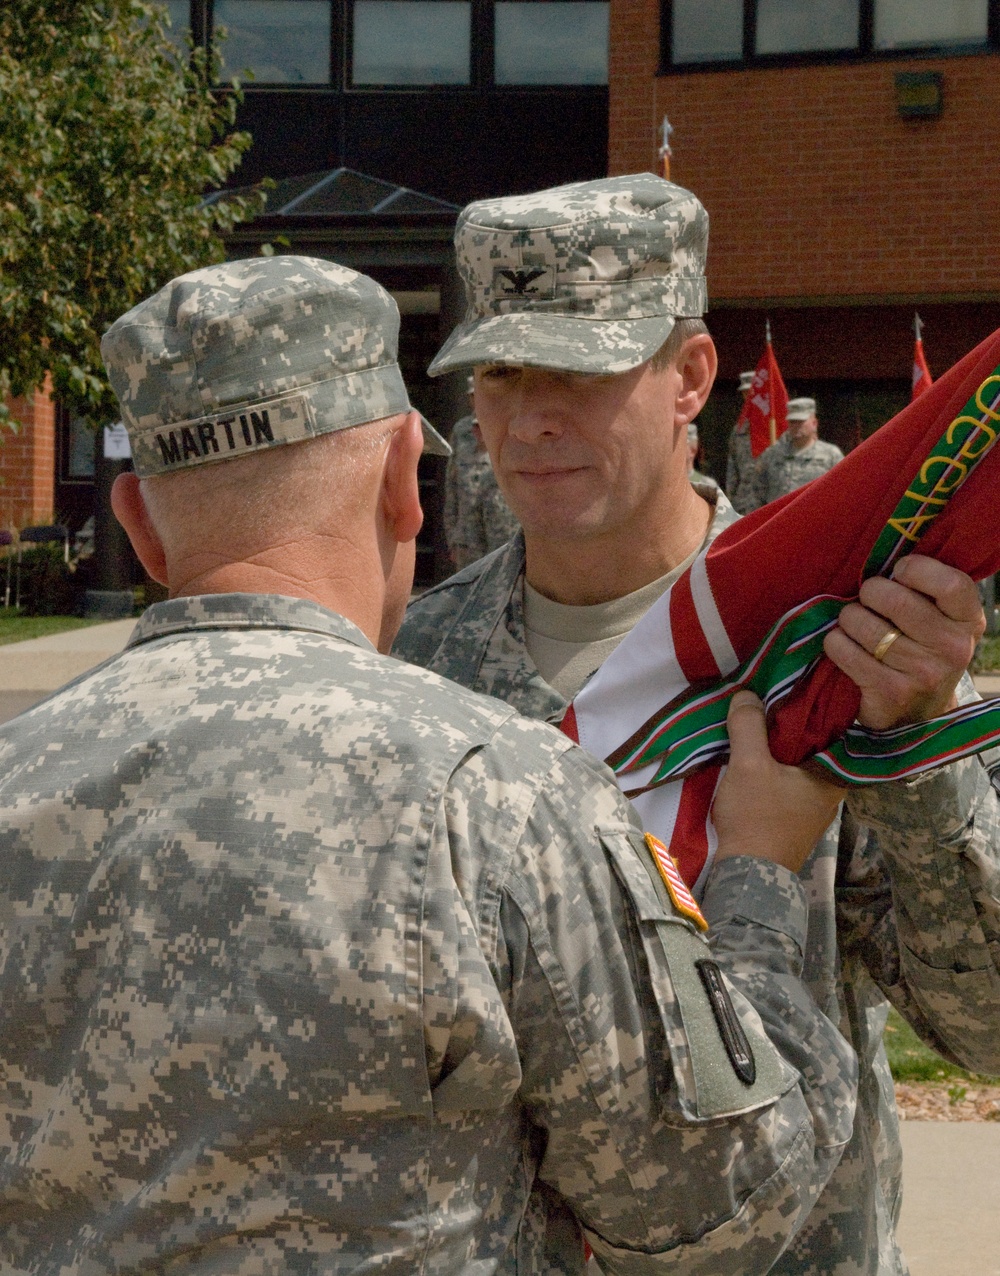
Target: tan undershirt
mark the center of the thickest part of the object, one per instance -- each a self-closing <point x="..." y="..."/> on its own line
<point x="567" y="644"/>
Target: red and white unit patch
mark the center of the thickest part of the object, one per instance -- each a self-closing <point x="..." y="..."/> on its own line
<point x="683" y="900"/>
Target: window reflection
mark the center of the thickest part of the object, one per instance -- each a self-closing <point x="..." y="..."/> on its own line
<point x="78" y="462"/>
<point x="707" y="30"/>
<point x="552" y="43"/>
<point x="179" y="12"/>
<point x="411" y="42"/>
<point x="280" y="41"/>
<point x="800" y="26"/>
<point x="911" y="23"/>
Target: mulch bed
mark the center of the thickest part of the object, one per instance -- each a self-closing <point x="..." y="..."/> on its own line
<point x="947" y="1101"/>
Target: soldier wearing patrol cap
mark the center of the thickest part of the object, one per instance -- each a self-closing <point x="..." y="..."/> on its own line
<point x="798" y="457"/>
<point x="476" y="517"/>
<point x="740" y="463"/>
<point x="591" y="359"/>
<point x="313" y="962"/>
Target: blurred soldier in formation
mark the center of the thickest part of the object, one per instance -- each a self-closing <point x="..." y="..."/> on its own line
<point x="477" y="519"/>
<point x="799" y="456"/>
<point x="740" y="463"/>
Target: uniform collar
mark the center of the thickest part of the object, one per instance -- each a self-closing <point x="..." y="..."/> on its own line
<point x="801" y="451"/>
<point x="485" y="647"/>
<point x="242" y="611"/>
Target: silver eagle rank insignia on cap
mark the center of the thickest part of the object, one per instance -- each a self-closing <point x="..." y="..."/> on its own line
<point x="589" y="277"/>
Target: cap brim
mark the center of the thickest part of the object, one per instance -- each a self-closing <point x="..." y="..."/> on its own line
<point x="434" y="443"/>
<point x="563" y="343"/>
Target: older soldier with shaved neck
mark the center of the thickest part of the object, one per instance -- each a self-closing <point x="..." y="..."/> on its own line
<point x="591" y="359"/>
<point x="314" y="962"/>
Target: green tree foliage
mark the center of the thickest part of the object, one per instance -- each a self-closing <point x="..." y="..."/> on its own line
<point x="109" y="140"/>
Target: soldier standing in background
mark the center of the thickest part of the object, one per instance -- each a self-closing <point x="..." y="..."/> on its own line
<point x="798" y="457"/>
<point x="477" y="519"/>
<point x="740" y="462"/>
<point x="312" y="961"/>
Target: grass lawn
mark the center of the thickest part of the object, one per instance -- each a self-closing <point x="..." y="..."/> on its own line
<point x="911" y="1060"/>
<point x="987" y="656"/>
<point x="15" y="628"/>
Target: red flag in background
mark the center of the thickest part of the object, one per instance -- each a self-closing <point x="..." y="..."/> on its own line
<point x="922" y="379"/>
<point x="766" y="407"/>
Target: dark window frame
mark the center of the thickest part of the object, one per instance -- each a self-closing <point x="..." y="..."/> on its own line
<point x="481" y="58"/>
<point x="865" y="52"/>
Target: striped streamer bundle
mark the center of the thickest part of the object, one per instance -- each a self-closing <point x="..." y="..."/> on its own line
<point x="753" y="609"/>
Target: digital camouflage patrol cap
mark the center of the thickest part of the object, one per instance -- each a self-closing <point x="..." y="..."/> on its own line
<point x="252" y="354"/>
<point x="589" y="277"/>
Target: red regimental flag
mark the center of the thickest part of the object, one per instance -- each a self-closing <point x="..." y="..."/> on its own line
<point x="818" y="541"/>
<point x="922" y="379"/>
<point x="766" y="408"/>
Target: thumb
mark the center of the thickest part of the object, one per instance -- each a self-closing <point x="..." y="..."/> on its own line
<point x="747" y="726"/>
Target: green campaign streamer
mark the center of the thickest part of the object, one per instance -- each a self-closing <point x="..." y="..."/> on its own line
<point x="690" y="732"/>
<point x="962" y="446"/>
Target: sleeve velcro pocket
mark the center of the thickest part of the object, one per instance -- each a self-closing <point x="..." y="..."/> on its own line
<point x="723" y="1062"/>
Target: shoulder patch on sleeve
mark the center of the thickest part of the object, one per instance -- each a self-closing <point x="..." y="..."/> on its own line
<point x="677" y="889"/>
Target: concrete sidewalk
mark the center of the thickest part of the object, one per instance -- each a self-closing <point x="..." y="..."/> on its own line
<point x="30" y="670"/>
<point x="951" y="1198"/>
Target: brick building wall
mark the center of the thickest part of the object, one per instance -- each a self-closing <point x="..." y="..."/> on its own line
<point x="816" y="188"/>
<point x="830" y="214"/>
<point x="28" y="463"/>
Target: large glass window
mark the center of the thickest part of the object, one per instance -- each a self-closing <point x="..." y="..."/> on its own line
<point x="694" y="31"/>
<point x="901" y="24"/>
<point x="179" y="12"/>
<point x="551" y="43"/>
<point x="280" y="41"/>
<point x="400" y="42"/>
<point x="707" y="30"/>
<point x="800" y="26"/>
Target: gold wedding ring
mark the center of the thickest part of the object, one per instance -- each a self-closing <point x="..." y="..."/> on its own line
<point x="885" y="642"/>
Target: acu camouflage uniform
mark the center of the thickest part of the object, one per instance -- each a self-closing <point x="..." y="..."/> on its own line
<point x="477" y="519"/>
<point x="313" y="962"/>
<point x="740" y="470"/>
<point x="904" y="906"/>
<point x="781" y="469"/>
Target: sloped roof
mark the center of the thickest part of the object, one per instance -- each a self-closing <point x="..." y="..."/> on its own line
<point x="343" y="192"/>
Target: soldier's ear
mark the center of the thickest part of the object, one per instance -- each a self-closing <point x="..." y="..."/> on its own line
<point x="697" y="364"/>
<point x="130" y="510"/>
<point x="401" y="511"/>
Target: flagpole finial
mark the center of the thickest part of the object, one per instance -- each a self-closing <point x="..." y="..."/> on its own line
<point x="666" y="128"/>
<point x="918" y="326"/>
<point x="767" y="330"/>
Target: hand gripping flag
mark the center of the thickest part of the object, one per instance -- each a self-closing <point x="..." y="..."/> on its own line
<point x="753" y="608"/>
<point x="766" y="406"/>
